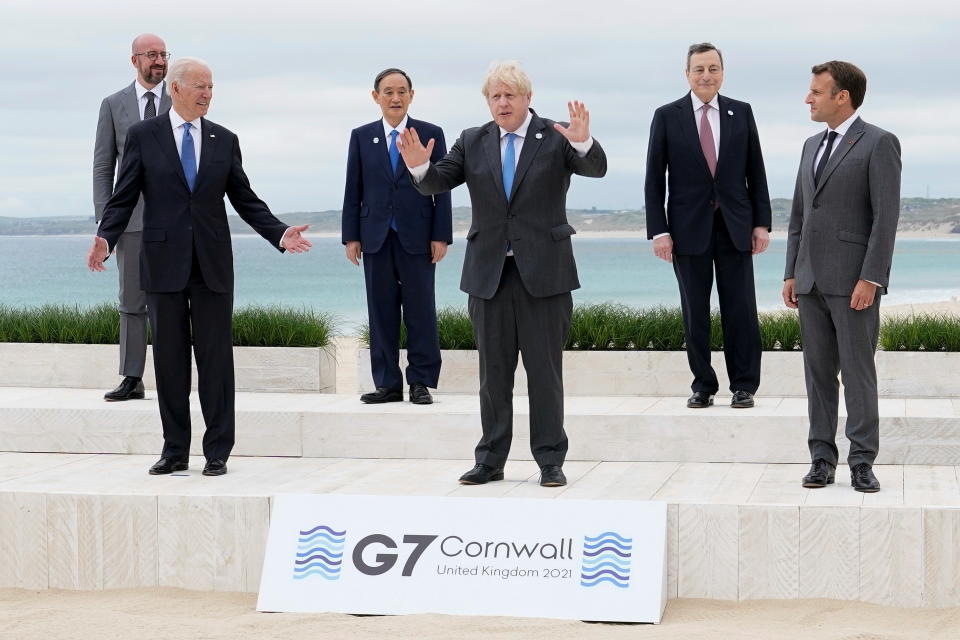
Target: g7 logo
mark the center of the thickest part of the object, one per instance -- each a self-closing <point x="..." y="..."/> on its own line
<point x="385" y="561"/>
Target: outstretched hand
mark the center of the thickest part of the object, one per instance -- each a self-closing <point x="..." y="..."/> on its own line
<point x="413" y="152"/>
<point x="98" y="253"/>
<point x="294" y="241"/>
<point x="579" y="129"/>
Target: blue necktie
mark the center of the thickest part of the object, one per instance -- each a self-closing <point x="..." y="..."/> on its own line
<point x="394" y="160"/>
<point x="188" y="157"/>
<point x="509" y="164"/>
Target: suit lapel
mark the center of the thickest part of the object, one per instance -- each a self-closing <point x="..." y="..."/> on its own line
<point x="688" y="124"/>
<point x="165" y="102"/>
<point x="381" y="151"/>
<point x="806" y="161"/>
<point x="131" y="107"/>
<point x="491" y="148"/>
<point x="531" y="145"/>
<point x="847" y="143"/>
<point x="163" y="132"/>
<point x="727" y="116"/>
<point x="208" y="142"/>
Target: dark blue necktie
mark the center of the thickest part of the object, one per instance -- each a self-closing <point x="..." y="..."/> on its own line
<point x="394" y="151"/>
<point x="509" y="164"/>
<point x="188" y="157"/>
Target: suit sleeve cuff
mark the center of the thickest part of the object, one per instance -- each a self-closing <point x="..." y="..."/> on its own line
<point x="419" y="171"/>
<point x="582" y="148"/>
<point x="660" y="235"/>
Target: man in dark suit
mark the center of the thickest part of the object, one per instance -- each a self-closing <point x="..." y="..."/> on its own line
<point x="144" y="98"/>
<point x="518" y="268"/>
<point x="839" y="249"/>
<point x="183" y="164"/>
<point x="717" y="216"/>
<point x="401" y="235"/>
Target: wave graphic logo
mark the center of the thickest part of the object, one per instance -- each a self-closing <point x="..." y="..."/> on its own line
<point x="606" y="559"/>
<point x="319" y="553"/>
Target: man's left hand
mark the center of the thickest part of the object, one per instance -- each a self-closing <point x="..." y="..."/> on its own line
<point x="863" y="295"/>
<point x="438" y="249"/>
<point x="761" y="240"/>
<point x="294" y="241"/>
<point x="579" y="129"/>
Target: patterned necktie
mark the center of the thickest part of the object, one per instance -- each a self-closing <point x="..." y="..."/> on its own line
<point x="188" y="157"/>
<point x="824" y="158"/>
<point x="394" y="151"/>
<point x="509" y="164"/>
<point x="150" y="111"/>
<point x="706" y="140"/>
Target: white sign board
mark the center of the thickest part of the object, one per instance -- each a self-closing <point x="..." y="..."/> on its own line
<point x="568" y="559"/>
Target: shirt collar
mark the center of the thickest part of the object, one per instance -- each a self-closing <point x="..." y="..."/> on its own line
<point x="387" y="128"/>
<point x="140" y="89"/>
<point x="521" y="131"/>
<point x="698" y="103"/>
<point x="177" y="121"/>
<point x="844" y="126"/>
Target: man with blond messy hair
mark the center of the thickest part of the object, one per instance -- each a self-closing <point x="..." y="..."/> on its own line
<point x="519" y="268"/>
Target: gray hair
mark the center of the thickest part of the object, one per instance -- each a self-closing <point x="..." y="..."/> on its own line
<point x="509" y="73"/>
<point x="181" y="66"/>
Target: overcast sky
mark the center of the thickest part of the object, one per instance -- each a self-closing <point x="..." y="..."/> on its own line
<point x="293" y="78"/>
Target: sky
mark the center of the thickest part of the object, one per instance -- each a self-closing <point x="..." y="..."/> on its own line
<point x="293" y="78"/>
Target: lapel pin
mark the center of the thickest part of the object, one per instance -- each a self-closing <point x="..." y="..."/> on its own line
<point x="376" y="140"/>
<point x="212" y="136"/>
<point x="538" y="136"/>
<point x="729" y="112"/>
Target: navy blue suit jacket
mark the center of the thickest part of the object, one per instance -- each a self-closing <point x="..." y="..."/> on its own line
<point x="739" y="188"/>
<point x="373" y="193"/>
<point x="174" y="219"/>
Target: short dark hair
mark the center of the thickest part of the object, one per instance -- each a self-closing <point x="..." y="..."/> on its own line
<point x="702" y="47"/>
<point x="388" y="72"/>
<point x="846" y="77"/>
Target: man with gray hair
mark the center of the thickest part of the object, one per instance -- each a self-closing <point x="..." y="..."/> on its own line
<point x="519" y="268"/>
<point x="144" y="98"/>
<point x="184" y="165"/>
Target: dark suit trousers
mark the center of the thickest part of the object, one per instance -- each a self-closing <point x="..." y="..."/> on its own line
<point x="738" y="312"/>
<point x="513" y="321"/>
<point x="207" y="316"/>
<point x="837" y="339"/>
<point x="401" y="283"/>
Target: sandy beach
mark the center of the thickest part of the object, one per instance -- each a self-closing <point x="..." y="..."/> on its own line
<point x="171" y="613"/>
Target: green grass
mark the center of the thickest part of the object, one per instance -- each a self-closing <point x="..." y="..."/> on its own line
<point x="252" y="326"/>
<point x="924" y="332"/>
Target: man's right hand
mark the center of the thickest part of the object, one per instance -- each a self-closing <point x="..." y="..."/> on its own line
<point x="789" y="295"/>
<point x="354" y="252"/>
<point x="413" y="152"/>
<point x="663" y="248"/>
<point x="98" y="253"/>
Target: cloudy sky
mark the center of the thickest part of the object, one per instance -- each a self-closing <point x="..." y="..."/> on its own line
<point x="293" y="78"/>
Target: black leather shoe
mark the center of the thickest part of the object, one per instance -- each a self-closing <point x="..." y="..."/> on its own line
<point x="164" y="466"/>
<point x="551" y="475"/>
<point x="820" y="475"/>
<point x="215" y="468"/>
<point x="419" y="394"/>
<point x="862" y="478"/>
<point x="382" y="394"/>
<point x="700" y="400"/>
<point x="129" y="389"/>
<point x="481" y="474"/>
<point x="741" y="400"/>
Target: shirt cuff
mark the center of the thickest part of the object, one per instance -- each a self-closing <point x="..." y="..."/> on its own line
<point x="660" y="235"/>
<point x="419" y="171"/>
<point x="874" y="283"/>
<point x="582" y="148"/>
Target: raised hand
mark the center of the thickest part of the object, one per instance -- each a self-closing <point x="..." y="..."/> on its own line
<point x="98" y="253"/>
<point x="294" y="241"/>
<point x="413" y="152"/>
<point x="579" y="129"/>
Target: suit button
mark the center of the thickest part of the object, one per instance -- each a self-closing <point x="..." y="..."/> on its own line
<point x="816" y="205"/>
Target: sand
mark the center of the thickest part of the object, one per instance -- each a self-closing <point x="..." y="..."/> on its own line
<point x="159" y="614"/>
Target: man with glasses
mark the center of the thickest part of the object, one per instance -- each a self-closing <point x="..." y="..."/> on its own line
<point x="144" y="98"/>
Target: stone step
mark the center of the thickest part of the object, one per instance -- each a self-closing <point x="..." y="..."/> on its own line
<point x="609" y="428"/>
<point x="735" y="531"/>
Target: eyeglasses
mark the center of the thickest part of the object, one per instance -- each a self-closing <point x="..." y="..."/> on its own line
<point x="153" y="55"/>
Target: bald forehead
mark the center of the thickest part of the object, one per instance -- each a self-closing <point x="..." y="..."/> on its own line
<point x="147" y="42"/>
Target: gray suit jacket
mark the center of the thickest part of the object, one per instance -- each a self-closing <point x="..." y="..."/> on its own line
<point x="534" y="221"/>
<point x="117" y="113"/>
<point x="843" y="230"/>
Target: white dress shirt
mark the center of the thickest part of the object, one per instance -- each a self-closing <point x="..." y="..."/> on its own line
<point x="387" y="129"/>
<point x="841" y="130"/>
<point x="177" y="123"/>
<point x="713" y="117"/>
<point x="141" y="96"/>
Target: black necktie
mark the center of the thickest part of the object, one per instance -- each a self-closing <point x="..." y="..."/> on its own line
<point x="150" y="111"/>
<point x="824" y="158"/>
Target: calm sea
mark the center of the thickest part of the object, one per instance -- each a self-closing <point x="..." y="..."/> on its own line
<point x="41" y="270"/>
